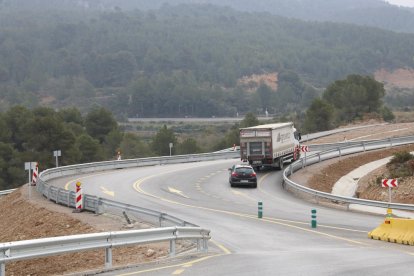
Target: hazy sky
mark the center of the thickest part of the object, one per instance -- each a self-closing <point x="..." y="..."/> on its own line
<point x="407" y="3"/>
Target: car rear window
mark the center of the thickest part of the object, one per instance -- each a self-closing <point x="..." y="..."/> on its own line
<point x="244" y="170"/>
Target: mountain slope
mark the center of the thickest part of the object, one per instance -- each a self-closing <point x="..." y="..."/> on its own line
<point x="374" y="13"/>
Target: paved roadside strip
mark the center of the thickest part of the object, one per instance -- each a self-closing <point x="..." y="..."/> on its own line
<point x="348" y="184"/>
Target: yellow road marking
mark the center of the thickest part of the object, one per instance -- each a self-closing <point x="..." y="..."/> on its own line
<point x="243" y="195"/>
<point x="106" y="191"/>
<point x="83" y="177"/>
<point x="137" y="187"/>
<point x="172" y="266"/>
<point x="222" y="247"/>
<point x="299" y="222"/>
<point x="178" y="272"/>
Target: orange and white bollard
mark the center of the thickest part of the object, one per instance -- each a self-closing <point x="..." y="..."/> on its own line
<point x="78" y="197"/>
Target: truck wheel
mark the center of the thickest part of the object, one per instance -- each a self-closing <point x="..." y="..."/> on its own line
<point x="281" y="164"/>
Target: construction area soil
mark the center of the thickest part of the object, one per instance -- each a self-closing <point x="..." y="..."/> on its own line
<point x="23" y="218"/>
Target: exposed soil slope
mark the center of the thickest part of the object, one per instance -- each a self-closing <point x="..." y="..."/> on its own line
<point x="23" y="219"/>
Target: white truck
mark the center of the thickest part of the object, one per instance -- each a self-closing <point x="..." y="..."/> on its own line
<point x="269" y="145"/>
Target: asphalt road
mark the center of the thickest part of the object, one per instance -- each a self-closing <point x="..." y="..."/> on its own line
<point x="281" y="243"/>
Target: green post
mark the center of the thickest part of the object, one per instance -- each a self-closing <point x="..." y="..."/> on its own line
<point x="313" y="223"/>
<point x="260" y="211"/>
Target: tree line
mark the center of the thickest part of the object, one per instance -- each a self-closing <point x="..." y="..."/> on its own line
<point x="379" y="14"/>
<point x="31" y="135"/>
<point x="182" y="60"/>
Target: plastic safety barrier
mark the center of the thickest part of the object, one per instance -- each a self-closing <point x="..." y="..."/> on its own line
<point x="397" y="230"/>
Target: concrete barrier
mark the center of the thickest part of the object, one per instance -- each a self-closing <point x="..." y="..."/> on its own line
<point x="396" y="230"/>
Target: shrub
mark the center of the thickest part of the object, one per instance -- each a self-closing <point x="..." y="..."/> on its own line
<point x="401" y="157"/>
<point x="401" y="165"/>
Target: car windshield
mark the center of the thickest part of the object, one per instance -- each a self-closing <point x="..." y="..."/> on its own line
<point x="244" y="170"/>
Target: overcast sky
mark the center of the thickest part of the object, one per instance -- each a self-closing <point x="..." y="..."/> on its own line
<point x="407" y="3"/>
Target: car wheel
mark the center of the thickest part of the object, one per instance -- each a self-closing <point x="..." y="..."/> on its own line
<point x="254" y="185"/>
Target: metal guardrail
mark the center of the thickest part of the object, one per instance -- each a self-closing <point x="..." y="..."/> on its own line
<point x="6" y="192"/>
<point x="329" y="151"/>
<point x="21" y="250"/>
<point x="99" y="205"/>
<point x="44" y="247"/>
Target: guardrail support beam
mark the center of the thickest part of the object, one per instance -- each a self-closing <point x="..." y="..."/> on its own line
<point x="99" y="208"/>
<point x="108" y="257"/>
<point x="2" y="269"/>
<point x="172" y="248"/>
<point x="205" y="245"/>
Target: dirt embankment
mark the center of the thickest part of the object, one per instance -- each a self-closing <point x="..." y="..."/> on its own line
<point x="368" y="187"/>
<point x="324" y="175"/>
<point x="23" y="219"/>
<point x="403" y="77"/>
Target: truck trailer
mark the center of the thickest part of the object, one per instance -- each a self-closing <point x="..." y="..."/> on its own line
<point x="269" y="145"/>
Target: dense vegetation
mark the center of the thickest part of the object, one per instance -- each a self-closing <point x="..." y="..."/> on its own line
<point x="401" y="165"/>
<point x="182" y="60"/>
<point x="375" y="13"/>
<point x="345" y="101"/>
<point x="32" y="135"/>
<point x="176" y="61"/>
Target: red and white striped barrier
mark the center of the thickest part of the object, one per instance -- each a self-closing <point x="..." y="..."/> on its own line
<point x="78" y="196"/>
<point x="304" y="148"/>
<point x="35" y="175"/>
<point x="389" y="183"/>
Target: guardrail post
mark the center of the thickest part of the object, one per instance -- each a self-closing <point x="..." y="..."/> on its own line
<point x="319" y="157"/>
<point x="108" y="257"/>
<point x="199" y="245"/>
<point x="205" y="244"/>
<point x="172" y="247"/>
<point x="57" y="195"/>
<point x="161" y="219"/>
<point x="99" y="207"/>
<point x="389" y="139"/>
<point x="363" y="145"/>
<point x="340" y="153"/>
<point x="2" y="269"/>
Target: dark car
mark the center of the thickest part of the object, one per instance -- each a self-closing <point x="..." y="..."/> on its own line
<point x="242" y="175"/>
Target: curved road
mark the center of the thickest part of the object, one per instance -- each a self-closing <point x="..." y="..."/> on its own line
<point x="281" y="243"/>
